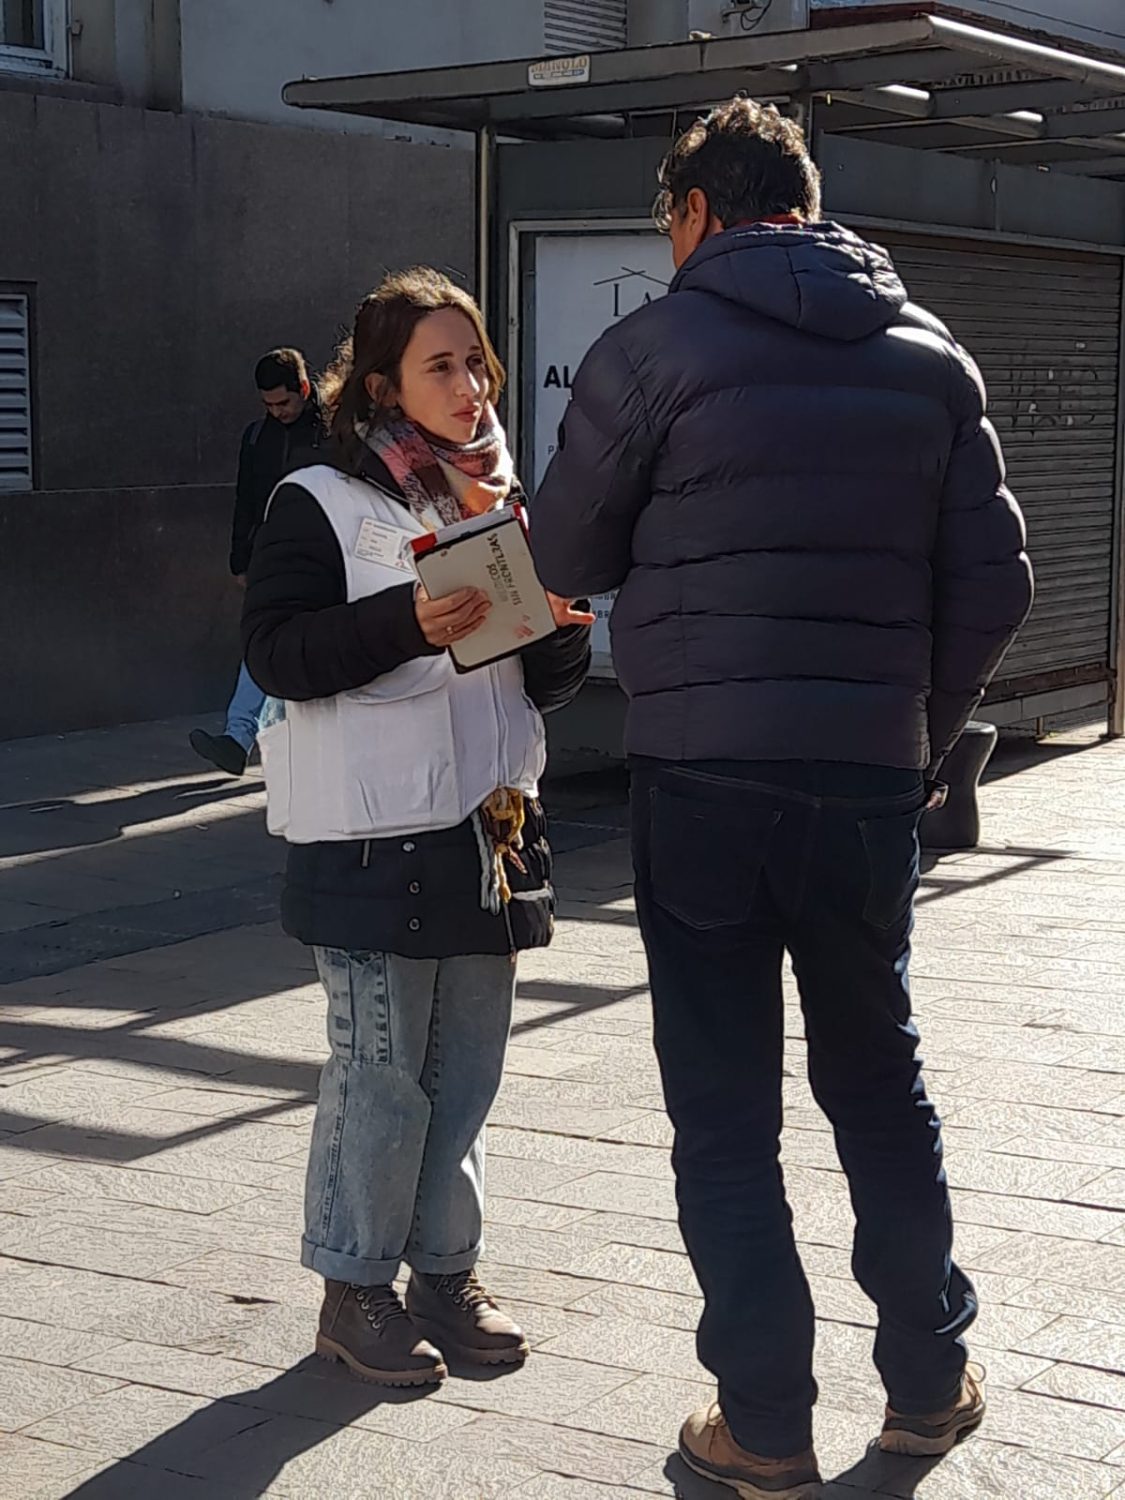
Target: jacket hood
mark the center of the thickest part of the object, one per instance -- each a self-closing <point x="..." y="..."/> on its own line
<point x="820" y="278"/>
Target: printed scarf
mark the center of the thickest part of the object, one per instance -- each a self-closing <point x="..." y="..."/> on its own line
<point x="443" y="482"/>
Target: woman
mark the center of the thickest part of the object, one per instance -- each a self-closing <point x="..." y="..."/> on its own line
<point x="418" y="863"/>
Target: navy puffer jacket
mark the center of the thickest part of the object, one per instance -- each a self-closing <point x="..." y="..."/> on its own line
<point x="786" y="469"/>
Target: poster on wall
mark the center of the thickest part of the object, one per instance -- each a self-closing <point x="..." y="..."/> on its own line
<point x="584" y="282"/>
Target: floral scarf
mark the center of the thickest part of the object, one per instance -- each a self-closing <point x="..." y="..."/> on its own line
<point x="443" y="482"/>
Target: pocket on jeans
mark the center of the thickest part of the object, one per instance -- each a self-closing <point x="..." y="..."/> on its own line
<point x="706" y="857"/>
<point x="891" y="846"/>
<point x="359" y="1004"/>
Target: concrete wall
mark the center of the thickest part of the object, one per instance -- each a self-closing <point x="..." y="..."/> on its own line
<point x="237" y="55"/>
<point x="164" y="253"/>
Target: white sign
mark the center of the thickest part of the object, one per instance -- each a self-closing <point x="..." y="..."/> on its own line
<point x="583" y="284"/>
<point x="558" y="71"/>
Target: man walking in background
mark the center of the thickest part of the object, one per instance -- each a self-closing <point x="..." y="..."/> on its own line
<point x="786" y="469"/>
<point x="271" y="447"/>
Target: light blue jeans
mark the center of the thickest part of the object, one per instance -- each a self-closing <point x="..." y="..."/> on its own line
<point x="244" y="711"/>
<point x="396" y="1164"/>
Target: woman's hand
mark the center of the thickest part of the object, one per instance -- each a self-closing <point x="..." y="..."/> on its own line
<point x="565" y="613"/>
<point x="446" y="621"/>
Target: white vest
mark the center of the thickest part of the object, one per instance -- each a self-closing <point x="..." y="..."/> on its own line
<point x="419" y="748"/>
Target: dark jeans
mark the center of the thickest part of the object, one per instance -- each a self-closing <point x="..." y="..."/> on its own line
<point x="737" y="862"/>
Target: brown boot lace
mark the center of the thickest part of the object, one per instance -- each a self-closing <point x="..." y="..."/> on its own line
<point x="380" y="1304"/>
<point x="466" y="1289"/>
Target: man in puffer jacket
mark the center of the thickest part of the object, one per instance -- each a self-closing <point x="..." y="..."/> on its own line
<point x="786" y="469"/>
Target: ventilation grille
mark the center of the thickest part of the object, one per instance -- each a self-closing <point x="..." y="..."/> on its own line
<point x="15" y="393"/>
<point x="575" y="26"/>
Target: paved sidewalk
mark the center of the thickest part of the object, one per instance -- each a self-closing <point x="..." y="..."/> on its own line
<point x="159" y="1046"/>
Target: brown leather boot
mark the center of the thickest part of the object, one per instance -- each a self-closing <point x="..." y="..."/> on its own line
<point x="708" y="1448"/>
<point x="367" y="1329"/>
<point x="457" y="1312"/>
<point x="935" y="1434"/>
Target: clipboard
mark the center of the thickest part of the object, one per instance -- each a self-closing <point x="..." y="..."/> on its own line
<point x="490" y="553"/>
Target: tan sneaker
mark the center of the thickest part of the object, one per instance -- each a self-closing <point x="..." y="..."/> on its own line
<point x="708" y="1448"/>
<point x="367" y="1329"/>
<point x="464" y="1319"/>
<point x="935" y="1434"/>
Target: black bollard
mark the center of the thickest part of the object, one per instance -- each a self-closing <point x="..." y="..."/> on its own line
<point x="957" y="824"/>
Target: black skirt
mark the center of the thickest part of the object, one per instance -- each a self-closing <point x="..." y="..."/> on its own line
<point x="422" y="895"/>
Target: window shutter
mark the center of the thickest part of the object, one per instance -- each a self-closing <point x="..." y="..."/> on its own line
<point x="15" y="393"/>
<point x="576" y="26"/>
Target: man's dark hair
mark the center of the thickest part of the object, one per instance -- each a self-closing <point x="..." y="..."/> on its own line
<point x="285" y="367"/>
<point x="750" y="161"/>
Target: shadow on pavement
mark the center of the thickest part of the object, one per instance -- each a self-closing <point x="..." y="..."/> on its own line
<point x="877" y="1476"/>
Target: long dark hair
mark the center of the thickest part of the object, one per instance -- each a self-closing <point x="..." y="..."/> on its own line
<point x="384" y="324"/>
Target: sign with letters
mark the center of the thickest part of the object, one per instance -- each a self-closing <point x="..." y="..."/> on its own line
<point x="585" y="282"/>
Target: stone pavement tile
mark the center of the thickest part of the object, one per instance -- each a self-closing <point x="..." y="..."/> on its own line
<point x="48" y="1344"/>
<point x="94" y="1249"/>
<point x="308" y="1460"/>
<point x="1068" y="1089"/>
<point x="1089" y="1387"/>
<point x="1003" y="1327"/>
<point x="214" y="1104"/>
<point x="1078" y="1341"/>
<point x="517" y="1213"/>
<point x="272" y="1336"/>
<point x="16" y="1197"/>
<point x="666" y="1309"/>
<point x="629" y="1229"/>
<point x="618" y="1193"/>
<point x="548" y="1062"/>
<point x="583" y="1120"/>
<point x="562" y="1250"/>
<point x="1066" y="1220"/>
<point x="66" y="1092"/>
<point x="1021" y="1176"/>
<point x="528" y="1284"/>
<point x="193" y="1195"/>
<point x="323" y="1392"/>
<point x="629" y="1344"/>
<point x="246" y="1275"/>
<point x="993" y="1470"/>
<point x="29" y="1468"/>
<point x="541" y="1323"/>
<point x="1071" y="1262"/>
<point x="556" y="1487"/>
<point x="1057" y="1427"/>
<point x="517" y="1177"/>
<point x="547" y="1389"/>
<point x="594" y="1458"/>
<point x="173" y="1428"/>
<point x="1107" y="1190"/>
<point x="31" y="1391"/>
<point x="647" y="1409"/>
<point x="171" y="1369"/>
<point x="583" y="1156"/>
<point x="659" y="1269"/>
<point x="1078" y="1302"/>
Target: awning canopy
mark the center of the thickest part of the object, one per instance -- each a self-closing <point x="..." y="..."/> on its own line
<point x="927" y="81"/>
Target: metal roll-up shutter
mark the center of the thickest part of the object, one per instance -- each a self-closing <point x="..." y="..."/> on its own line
<point x="1044" y="327"/>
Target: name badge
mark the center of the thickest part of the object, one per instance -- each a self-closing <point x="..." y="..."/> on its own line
<point x="385" y="545"/>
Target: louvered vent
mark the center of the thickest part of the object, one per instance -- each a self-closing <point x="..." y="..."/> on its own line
<point x="575" y="26"/>
<point x="15" y="393"/>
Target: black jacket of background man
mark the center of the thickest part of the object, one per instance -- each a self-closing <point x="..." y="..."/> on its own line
<point x="269" y="451"/>
<point x="418" y="897"/>
<point x="786" y="468"/>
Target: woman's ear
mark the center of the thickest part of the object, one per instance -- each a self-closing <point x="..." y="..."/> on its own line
<point x="379" y="388"/>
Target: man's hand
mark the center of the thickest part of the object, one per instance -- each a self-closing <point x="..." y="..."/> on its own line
<point x="565" y="613"/>
<point x="446" y="621"/>
<point x="240" y="579"/>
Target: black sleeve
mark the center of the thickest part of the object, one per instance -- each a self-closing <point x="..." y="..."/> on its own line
<point x="555" y="669"/>
<point x="242" y="530"/>
<point x="301" y="638"/>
